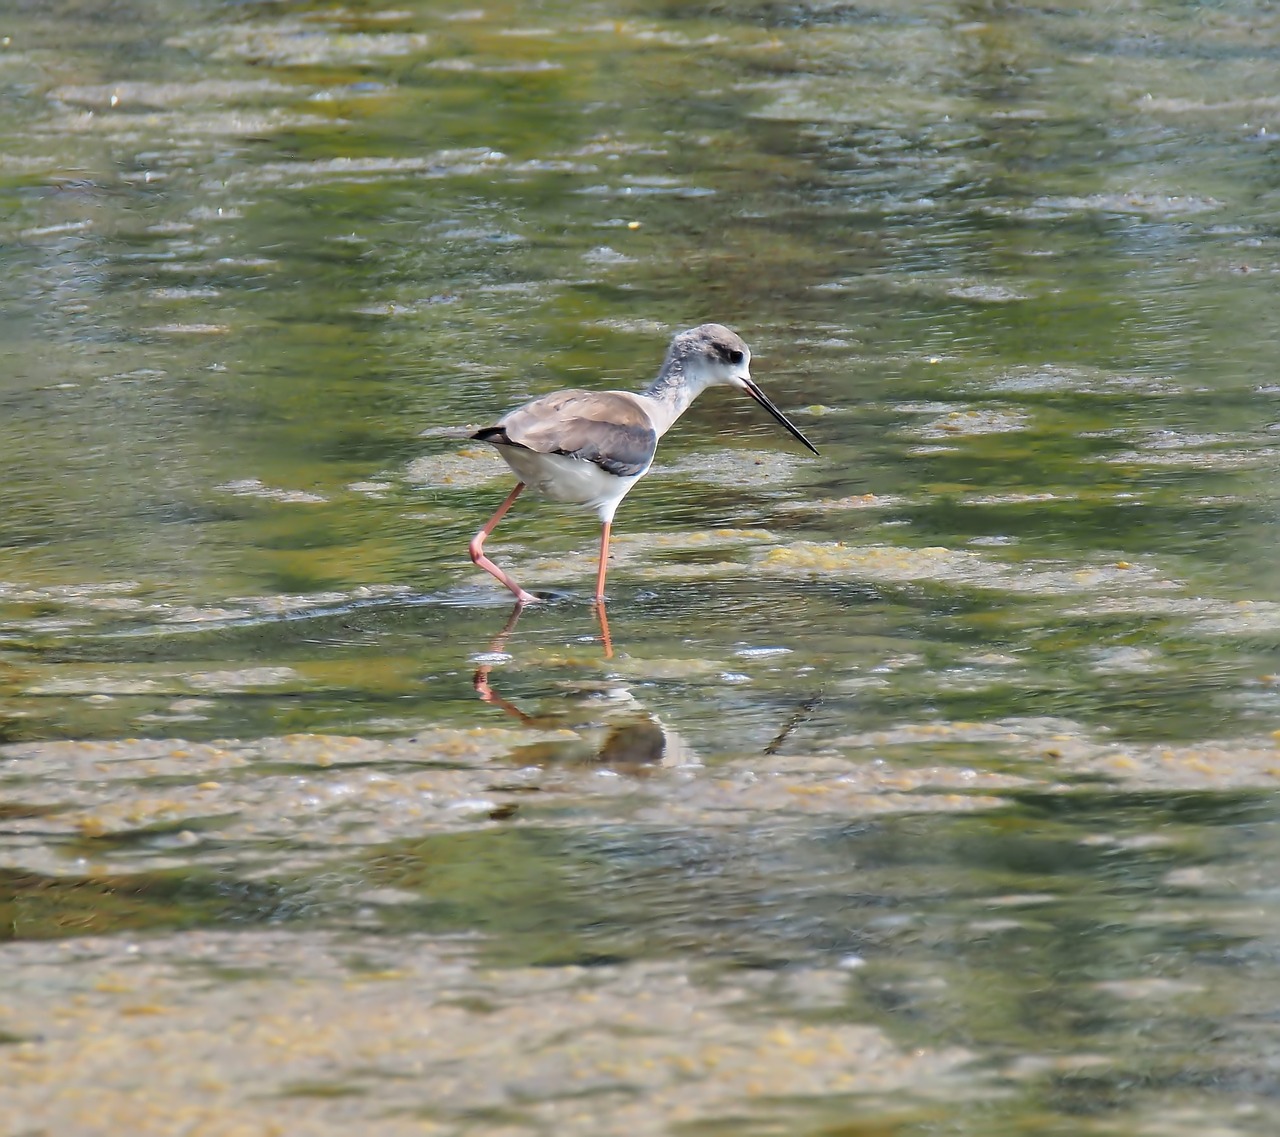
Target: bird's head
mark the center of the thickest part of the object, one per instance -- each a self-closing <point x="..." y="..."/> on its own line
<point x="712" y="355"/>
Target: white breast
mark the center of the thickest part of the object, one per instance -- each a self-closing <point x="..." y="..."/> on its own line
<point x="573" y="480"/>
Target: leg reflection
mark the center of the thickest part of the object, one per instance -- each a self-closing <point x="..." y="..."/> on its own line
<point x="613" y="728"/>
<point x="604" y="629"/>
<point x="481" y="678"/>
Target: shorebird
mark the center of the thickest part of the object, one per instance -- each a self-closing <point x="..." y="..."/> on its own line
<point x="589" y="448"/>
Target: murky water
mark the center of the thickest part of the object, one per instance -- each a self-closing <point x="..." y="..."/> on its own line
<point x="930" y="787"/>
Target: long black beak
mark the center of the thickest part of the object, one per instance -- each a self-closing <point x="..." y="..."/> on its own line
<point x="764" y="400"/>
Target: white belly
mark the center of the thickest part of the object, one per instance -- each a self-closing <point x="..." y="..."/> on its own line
<point x="572" y="480"/>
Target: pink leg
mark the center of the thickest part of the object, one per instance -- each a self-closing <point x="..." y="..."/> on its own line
<point x="477" y="549"/>
<point x="605" y="638"/>
<point x="604" y="562"/>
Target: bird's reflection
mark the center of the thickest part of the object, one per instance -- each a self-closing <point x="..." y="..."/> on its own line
<point x="618" y="731"/>
<point x="481" y="678"/>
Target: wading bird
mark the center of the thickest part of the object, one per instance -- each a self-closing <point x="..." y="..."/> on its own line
<point x="589" y="448"/>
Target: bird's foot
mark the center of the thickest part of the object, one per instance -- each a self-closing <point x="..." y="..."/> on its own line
<point x="552" y="596"/>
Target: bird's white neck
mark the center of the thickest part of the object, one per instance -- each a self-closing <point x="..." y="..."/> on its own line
<point x="670" y="394"/>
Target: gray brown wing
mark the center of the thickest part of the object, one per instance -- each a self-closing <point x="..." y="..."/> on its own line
<point x="596" y="426"/>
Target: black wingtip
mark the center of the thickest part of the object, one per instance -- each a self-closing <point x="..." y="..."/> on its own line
<point x="492" y="434"/>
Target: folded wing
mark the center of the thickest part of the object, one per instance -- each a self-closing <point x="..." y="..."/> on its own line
<point x="608" y="428"/>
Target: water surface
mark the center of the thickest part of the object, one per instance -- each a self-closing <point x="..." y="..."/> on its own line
<point x="929" y="787"/>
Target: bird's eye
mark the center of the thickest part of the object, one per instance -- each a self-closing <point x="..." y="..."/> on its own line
<point x="735" y="356"/>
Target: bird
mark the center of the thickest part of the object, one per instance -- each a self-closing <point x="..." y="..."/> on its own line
<point x="590" y="448"/>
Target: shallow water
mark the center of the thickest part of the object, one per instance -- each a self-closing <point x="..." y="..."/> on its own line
<point x="930" y="785"/>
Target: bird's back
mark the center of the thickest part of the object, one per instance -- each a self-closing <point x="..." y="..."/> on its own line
<point x="608" y="428"/>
